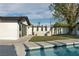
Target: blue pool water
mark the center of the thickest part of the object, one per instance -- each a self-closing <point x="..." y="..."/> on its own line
<point x="55" y="51"/>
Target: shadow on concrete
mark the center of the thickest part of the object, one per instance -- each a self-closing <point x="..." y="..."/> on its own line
<point x="7" y="50"/>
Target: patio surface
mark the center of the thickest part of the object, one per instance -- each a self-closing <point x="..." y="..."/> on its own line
<point x="18" y="47"/>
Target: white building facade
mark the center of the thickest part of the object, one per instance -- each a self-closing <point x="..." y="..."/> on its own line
<point x="46" y="30"/>
<point x="12" y="28"/>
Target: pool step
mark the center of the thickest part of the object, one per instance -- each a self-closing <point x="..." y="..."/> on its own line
<point x="31" y="45"/>
<point x="48" y="44"/>
<point x="45" y="44"/>
<point x="56" y="43"/>
<point x="68" y="42"/>
<point x="37" y="45"/>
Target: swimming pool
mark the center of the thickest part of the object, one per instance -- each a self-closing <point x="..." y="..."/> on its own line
<point x="72" y="50"/>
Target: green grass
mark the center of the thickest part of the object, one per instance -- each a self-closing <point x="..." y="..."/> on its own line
<point x="55" y="37"/>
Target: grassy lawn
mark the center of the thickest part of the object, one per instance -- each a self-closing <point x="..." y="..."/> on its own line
<point x="55" y="37"/>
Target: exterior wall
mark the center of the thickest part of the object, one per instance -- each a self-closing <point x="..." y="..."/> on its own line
<point x="48" y="32"/>
<point x="29" y="30"/>
<point x="9" y="31"/>
<point x="12" y="28"/>
<point x="23" y="28"/>
<point x="41" y="33"/>
<point x="59" y="30"/>
<point x="77" y="30"/>
<point x="74" y="31"/>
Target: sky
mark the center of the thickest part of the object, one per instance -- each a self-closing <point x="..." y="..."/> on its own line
<point x="36" y="12"/>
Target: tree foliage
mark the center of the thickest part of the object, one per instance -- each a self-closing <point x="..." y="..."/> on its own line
<point x="66" y="11"/>
<point x="61" y="24"/>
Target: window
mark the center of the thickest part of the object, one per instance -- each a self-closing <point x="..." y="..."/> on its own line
<point x="45" y="28"/>
<point x="32" y="30"/>
<point x="42" y="28"/>
<point x="37" y="28"/>
<point x="20" y="26"/>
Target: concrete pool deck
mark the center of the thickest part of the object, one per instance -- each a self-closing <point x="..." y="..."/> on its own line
<point x="48" y="44"/>
<point x="22" y="45"/>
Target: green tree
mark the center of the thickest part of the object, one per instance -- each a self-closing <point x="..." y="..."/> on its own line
<point x="66" y="11"/>
<point x="61" y="24"/>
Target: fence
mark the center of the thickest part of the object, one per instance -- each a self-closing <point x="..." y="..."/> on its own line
<point x="45" y="30"/>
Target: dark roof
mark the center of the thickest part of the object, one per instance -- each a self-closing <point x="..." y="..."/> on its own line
<point x="16" y="18"/>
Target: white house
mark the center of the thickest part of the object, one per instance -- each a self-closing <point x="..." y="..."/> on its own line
<point x="12" y="27"/>
<point x="46" y="30"/>
<point x="38" y="30"/>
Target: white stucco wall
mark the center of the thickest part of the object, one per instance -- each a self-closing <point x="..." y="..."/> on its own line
<point x="55" y="31"/>
<point x="9" y="31"/>
<point x="39" y="32"/>
<point x="29" y="30"/>
<point x="59" y="30"/>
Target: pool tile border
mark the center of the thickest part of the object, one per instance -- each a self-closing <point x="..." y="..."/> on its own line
<point x="49" y="46"/>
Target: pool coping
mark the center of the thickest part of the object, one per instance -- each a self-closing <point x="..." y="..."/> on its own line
<point x="21" y="52"/>
<point x="52" y="46"/>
